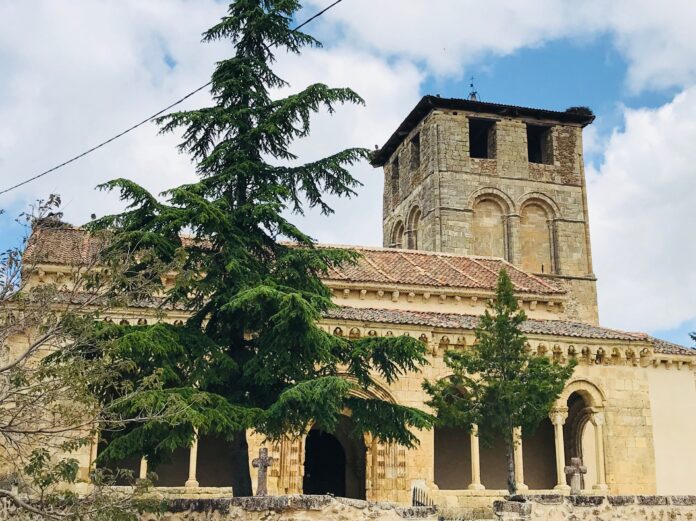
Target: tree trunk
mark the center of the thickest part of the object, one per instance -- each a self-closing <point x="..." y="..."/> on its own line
<point x="510" y="452"/>
<point x="241" y="478"/>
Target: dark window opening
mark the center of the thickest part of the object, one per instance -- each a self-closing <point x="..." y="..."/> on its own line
<point x="540" y="144"/>
<point x="395" y="177"/>
<point x="415" y="152"/>
<point x="482" y="138"/>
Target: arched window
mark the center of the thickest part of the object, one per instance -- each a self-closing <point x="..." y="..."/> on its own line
<point x="414" y="238"/>
<point x="397" y="237"/>
<point x="536" y="238"/>
<point x="488" y="234"/>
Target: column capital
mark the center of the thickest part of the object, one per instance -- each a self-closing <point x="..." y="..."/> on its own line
<point x="597" y="418"/>
<point x="558" y="415"/>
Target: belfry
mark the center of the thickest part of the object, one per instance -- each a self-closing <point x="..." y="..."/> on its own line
<point x="474" y="178"/>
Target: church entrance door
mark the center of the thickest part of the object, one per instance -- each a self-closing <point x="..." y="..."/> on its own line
<point x="335" y="463"/>
<point x="325" y="465"/>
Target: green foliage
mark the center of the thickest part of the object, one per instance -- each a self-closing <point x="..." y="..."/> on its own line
<point x="45" y="474"/>
<point x="497" y="384"/>
<point x="252" y="354"/>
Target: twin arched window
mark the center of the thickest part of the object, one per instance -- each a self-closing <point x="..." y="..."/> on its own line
<point x="490" y="232"/>
<point x="408" y="236"/>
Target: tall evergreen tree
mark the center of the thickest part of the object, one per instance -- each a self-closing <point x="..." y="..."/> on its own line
<point x="252" y="355"/>
<point x="496" y="384"/>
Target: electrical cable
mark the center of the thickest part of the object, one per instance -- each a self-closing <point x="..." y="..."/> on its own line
<point x="147" y="120"/>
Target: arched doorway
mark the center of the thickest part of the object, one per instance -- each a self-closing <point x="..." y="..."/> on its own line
<point x="335" y="462"/>
<point x="325" y="465"/>
<point x="579" y="437"/>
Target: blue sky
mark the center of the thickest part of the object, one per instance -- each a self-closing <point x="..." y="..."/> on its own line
<point x="632" y="64"/>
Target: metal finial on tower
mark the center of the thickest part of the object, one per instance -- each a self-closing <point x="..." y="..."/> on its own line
<point x="473" y="93"/>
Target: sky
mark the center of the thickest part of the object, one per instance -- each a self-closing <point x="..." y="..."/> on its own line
<point x="75" y="72"/>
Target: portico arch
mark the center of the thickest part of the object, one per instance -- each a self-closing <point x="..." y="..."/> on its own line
<point x="335" y="462"/>
<point x="373" y="469"/>
<point x="585" y="388"/>
<point x="578" y="419"/>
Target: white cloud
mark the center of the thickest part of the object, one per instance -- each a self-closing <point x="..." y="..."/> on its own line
<point x="641" y="201"/>
<point x="656" y="38"/>
<point x="76" y="73"/>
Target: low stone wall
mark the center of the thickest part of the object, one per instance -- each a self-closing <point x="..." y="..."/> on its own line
<point x="287" y="508"/>
<point x="596" y="508"/>
<point x="271" y="508"/>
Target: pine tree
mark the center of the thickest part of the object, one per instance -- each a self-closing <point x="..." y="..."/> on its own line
<point x="496" y="384"/>
<point x="252" y="355"/>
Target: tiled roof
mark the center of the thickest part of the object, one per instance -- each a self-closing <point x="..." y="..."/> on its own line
<point x="62" y="244"/>
<point x="456" y="321"/>
<point x="662" y="346"/>
<point x="419" y="268"/>
<point x="69" y="245"/>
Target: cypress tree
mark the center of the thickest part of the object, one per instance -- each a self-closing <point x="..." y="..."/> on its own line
<point x="252" y="355"/>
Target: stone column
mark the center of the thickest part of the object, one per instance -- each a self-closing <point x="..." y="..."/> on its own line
<point x="553" y="242"/>
<point x="514" y="248"/>
<point x="597" y="419"/>
<point x="558" y="416"/>
<point x="93" y="451"/>
<point x="475" y="461"/>
<point x="519" y="460"/>
<point x="143" y="469"/>
<point x="191" y="482"/>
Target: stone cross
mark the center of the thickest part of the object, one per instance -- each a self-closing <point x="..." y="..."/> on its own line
<point x="262" y="463"/>
<point x="575" y="470"/>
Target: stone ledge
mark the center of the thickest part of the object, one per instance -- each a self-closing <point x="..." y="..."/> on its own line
<point x="620" y="501"/>
<point x="586" y="501"/>
<point x="280" y="503"/>
<point x="682" y="500"/>
<point x="652" y="500"/>
<point x="513" y="507"/>
<point x="316" y="503"/>
<point x="178" y="505"/>
<point x="544" y="499"/>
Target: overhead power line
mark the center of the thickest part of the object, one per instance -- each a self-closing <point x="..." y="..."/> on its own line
<point x="146" y="120"/>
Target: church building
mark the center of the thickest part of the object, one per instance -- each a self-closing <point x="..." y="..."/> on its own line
<point x="470" y="188"/>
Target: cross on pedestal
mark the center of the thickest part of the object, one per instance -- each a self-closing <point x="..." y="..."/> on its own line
<point x="575" y="470"/>
<point x="262" y="463"/>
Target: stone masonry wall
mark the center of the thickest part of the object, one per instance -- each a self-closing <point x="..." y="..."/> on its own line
<point x="598" y="508"/>
<point x="269" y="508"/>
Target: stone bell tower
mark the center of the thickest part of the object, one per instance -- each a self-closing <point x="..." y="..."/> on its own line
<point x="475" y="178"/>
